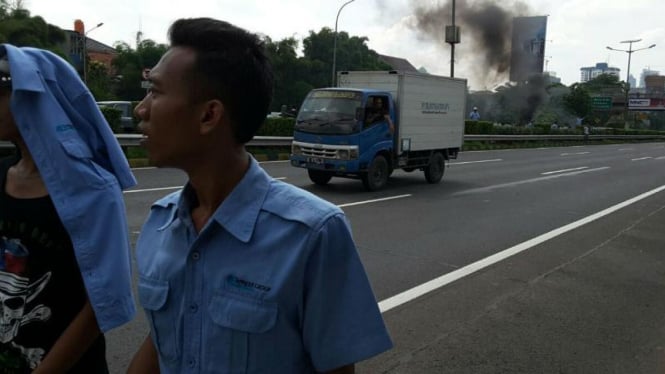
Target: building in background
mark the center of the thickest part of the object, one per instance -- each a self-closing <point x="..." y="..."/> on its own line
<point x="591" y="72"/>
<point x="527" y="54"/>
<point x="632" y="82"/>
<point x="654" y="84"/>
<point x="645" y="73"/>
<point x="551" y="78"/>
<point x="397" y="63"/>
<point x="74" y="48"/>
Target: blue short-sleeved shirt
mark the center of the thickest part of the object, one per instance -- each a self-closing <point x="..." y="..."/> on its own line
<point x="272" y="284"/>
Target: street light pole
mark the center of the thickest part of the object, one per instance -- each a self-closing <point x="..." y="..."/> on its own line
<point x="630" y="51"/>
<point x="85" y="51"/>
<point x="335" y="42"/>
<point x="452" y="38"/>
<point x="452" y="46"/>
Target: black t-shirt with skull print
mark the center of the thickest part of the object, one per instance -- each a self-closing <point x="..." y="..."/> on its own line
<point x="41" y="289"/>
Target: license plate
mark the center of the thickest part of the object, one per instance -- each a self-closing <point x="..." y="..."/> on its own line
<point x="315" y="160"/>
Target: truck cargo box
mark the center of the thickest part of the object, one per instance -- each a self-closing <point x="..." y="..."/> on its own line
<point x="430" y="108"/>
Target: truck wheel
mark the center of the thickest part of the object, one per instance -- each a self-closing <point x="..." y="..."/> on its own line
<point x="434" y="171"/>
<point x="319" y="177"/>
<point x="377" y="174"/>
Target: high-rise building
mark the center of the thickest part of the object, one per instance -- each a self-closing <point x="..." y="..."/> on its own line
<point x="645" y="73"/>
<point x="528" y="47"/>
<point x="588" y="73"/>
<point x="655" y="83"/>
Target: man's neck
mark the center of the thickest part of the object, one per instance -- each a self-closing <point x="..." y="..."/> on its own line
<point x="213" y="182"/>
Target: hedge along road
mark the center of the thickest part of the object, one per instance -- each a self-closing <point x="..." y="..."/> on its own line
<point x="411" y="233"/>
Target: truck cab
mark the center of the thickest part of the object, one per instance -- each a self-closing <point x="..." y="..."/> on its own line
<point x="339" y="132"/>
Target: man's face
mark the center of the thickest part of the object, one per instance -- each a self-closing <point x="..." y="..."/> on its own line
<point x="8" y="129"/>
<point x="378" y="103"/>
<point x="169" y="119"/>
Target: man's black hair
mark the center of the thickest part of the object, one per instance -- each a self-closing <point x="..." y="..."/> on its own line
<point x="232" y="66"/>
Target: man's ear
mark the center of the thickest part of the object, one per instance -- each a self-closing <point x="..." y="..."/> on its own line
<point x="211" y="116"/>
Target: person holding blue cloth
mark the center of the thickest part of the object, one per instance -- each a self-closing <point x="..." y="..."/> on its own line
<point x="64" y="245"/>
<point x="239" y="272"/>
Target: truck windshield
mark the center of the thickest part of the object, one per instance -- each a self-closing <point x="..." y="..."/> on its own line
<point x="329" y="112"/>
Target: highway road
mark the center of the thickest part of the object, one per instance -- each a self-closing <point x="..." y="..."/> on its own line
<point x="546" y="260"/>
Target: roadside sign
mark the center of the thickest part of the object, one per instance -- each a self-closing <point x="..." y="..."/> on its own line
<point x="601" y="102"/>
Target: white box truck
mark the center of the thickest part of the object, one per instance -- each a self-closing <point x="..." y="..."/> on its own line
<point x="378" y="121"/>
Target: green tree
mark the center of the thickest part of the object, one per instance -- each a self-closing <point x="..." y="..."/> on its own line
<point x="605" y="83"/>
<point x="18" y="27"/>
<point x="99" y="83"/>
<point x="352" y="53"/>
<point x="129" y="65"/>
<point x="578" y="100"/>
<point x="290" y="83"/>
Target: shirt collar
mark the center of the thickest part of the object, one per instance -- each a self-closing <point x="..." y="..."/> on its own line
<point x="240" y="210"/>
<point x="237" y="214"/>
<point x="24" y="69"/>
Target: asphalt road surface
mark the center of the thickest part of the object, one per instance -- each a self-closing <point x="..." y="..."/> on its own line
<point x="521" y="261"/>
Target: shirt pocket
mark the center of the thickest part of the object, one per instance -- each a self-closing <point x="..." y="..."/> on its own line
<point x="236" y="320"/>
<point x="154" y="297"/>
<point x="80" y="156"/>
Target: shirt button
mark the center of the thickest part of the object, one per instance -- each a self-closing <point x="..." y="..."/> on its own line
<point x="191" y="363"/>
<point x="196" y="256"/>
<point x="193" y="308"/>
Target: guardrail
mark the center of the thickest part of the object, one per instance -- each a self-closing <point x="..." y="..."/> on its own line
<point x="133" y="140"/>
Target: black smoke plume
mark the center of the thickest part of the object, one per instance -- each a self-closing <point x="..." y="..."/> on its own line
<point x="486" y="33"/>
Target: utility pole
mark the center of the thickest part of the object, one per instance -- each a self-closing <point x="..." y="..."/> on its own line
<point x="452" y="38"/>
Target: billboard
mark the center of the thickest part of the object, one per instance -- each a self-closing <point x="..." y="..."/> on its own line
<point x="646" y="104"/>
<point x="528" y="47"/>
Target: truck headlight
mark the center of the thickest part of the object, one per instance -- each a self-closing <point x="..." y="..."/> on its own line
<point x="353" y="154"/>
<point x="295" y="149"/>
<point x="343" y="154"/>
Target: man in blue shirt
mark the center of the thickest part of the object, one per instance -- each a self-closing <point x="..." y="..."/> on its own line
<point x="474" y="115"/>
<point x="238" y="272"/>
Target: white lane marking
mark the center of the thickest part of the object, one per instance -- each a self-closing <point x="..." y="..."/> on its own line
<point x="274" y="162"/>
<point x="533" y="180"/>
<point x="625" y="149"/>
<point x="641" y="158"/>
<point x="434" y="284"/>
<point x="154" y="189"/>
<point x="575" y="153"/>
<point x="172" y="188"/>
<point x="660" y="158"/>
<point x="474" y="162"/>
<point x="373" y="201"/>
<point x="564" y="170"/>
<point x="260" y="162"/>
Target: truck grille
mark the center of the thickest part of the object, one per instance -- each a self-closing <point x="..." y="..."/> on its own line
<point x="319" y="152"/>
